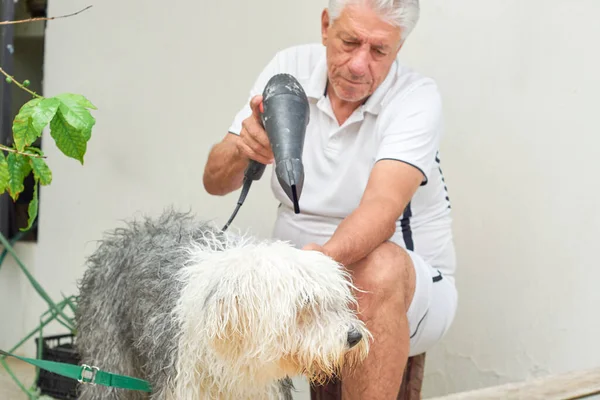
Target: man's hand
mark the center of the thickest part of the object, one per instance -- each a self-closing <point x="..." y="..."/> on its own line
<point x="314" y="247"/>
<point x="254" y="142"/>
<point x="227" y="161"/>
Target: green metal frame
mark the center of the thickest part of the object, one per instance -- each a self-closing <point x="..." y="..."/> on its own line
<point x="56" y="312"/>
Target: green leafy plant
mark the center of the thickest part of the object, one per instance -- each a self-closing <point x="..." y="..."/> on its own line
<point x="70" y="124"/>
<point x="70" y="121"/>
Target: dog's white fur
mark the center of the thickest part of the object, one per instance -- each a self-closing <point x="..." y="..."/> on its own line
<point x="252" y="313"/>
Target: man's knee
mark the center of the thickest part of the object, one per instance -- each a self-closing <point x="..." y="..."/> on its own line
<point x="387" y="274"/>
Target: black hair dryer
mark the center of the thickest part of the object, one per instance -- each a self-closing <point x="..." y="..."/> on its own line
<point x="285" y="114"/>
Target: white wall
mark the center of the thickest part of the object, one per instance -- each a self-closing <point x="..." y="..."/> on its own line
<point x="15" y="293"/>
<point x="520" y="88"/>
<point x="520" y="85"/>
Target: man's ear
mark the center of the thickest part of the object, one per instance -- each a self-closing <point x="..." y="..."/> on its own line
<point x="324" y="26"/>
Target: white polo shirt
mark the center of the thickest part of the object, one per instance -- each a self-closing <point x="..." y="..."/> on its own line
<point x="401" y="120"/>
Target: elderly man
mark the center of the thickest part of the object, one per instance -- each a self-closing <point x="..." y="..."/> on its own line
<point x="374" y="197"/>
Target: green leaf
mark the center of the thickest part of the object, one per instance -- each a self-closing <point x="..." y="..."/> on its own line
<point x="4" y="176"/>
<point x="32" y="119"/>
<point x="41" y="171"/>
<point x="69" y="139"/>
<point x="72" y="125"/>
<point x="74" y="108"/>
<point x="44" y="112"/>
<point x="78" y="98"/>
<point x="18" y="169"/>
<point x="33" y="208"/>
<point x="24" y="131"/>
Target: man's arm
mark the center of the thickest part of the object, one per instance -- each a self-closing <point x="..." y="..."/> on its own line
<point x="390" y="187"/>
<point x="224" y="171"/>
<point x="410" y="139"/>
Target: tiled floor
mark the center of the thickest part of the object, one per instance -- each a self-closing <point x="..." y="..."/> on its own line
<point x="8" y="388"/>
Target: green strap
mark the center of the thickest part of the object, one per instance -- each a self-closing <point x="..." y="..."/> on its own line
<point x="87" y="374"/>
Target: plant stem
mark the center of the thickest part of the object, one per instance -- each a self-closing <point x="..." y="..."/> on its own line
<point x="42" y="19"/>
<point x="34" y="94"/>
<point x="11" y="150"/>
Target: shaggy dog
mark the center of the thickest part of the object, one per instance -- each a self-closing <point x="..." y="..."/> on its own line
<point x="203" y="314"/>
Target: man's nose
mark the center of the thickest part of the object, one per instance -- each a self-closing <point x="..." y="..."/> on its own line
<point x="359" y="64"/>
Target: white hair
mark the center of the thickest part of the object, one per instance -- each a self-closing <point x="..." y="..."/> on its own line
<point x="401" y="13"/>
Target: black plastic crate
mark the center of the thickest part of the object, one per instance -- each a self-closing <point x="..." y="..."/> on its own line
<point x="59" y="348"/>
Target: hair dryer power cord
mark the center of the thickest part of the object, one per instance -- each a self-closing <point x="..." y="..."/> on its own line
<point x="243" y="194"/>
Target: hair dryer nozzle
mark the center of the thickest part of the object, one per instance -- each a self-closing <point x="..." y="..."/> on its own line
<point x="285" y="117"/>
<point x="290" y="174"/>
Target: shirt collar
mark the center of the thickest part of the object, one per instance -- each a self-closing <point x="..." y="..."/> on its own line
<point x="377" y="99"/>
<point x="318" y="80"/>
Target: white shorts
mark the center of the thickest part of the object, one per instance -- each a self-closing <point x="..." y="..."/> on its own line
<point x="433" y="307"/>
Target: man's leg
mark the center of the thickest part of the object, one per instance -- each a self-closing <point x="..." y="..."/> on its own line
<point x="388" y="277"/>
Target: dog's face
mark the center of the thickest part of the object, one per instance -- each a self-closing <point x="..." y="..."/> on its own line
<point x="268" y="311"/>
<point x="322" y="334"/>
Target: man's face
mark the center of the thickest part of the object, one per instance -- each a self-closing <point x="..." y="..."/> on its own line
<point x="361" y="48"/>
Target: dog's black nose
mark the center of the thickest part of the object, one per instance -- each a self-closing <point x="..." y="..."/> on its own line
<point x="354" y="337"/>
